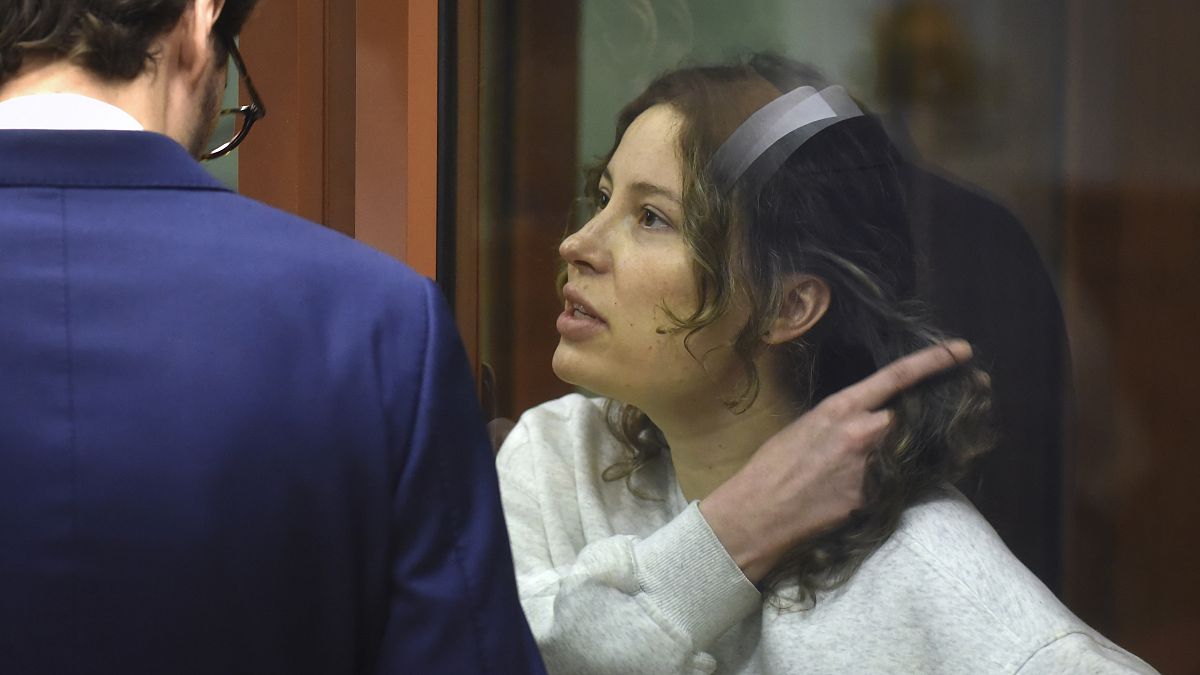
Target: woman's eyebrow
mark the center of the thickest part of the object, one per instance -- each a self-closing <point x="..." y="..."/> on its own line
<point x="652" y="189"/>
<point x="647" y="188"/>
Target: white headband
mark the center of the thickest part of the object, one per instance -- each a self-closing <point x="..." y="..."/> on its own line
<point x="768" y="137"/>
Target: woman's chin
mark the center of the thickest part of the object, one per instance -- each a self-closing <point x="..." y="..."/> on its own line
<point x="563" y="365"/>
<point x="568" y="368"/>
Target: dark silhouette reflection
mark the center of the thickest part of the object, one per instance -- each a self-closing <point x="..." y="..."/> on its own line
<point x="983" y="277"/>
<point x="986" y="282"/>
<point x="777" y="213"/>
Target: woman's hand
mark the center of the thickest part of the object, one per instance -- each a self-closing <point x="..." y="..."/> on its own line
<point x="807" y="478"/>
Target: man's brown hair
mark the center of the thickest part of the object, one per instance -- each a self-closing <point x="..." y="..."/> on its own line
<point x="110" y="38"/>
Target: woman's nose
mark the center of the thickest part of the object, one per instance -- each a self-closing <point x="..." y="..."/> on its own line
<point x="571" y="247"/>
<point x="583" y="248"/>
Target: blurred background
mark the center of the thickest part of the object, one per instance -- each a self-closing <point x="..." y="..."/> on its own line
<point x="1055" y="191"/>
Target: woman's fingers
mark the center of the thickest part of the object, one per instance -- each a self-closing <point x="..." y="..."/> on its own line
<point x="809" y="476"/>
<point x="876" y="426"/>
<point x="901" y="374"/>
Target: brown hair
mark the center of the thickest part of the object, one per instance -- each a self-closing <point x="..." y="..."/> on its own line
<point x="834" y="210"/>
<point x="111" y="38"/>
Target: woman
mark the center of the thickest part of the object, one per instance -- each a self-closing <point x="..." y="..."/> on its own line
<point x="748" y="256"/>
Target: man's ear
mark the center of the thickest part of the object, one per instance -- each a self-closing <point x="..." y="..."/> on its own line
<point x="805" y="300"/>
<point x="196" y="33"/>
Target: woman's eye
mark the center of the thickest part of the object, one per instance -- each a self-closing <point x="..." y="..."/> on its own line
<point x="601" y="200"/>
<point x="652" y="220"/>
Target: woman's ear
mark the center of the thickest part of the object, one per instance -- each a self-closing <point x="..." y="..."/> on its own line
<point x="805" y="301"/>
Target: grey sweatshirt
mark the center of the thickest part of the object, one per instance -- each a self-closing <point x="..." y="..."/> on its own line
<point x="613" y="582"/>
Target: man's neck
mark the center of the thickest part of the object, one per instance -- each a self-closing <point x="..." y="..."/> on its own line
<point x="142" y="98"/>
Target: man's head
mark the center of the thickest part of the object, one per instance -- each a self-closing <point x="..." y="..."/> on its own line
<point x="174" y="47"/>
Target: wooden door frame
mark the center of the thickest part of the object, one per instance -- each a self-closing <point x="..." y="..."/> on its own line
<point x="351" y="138"/>
<point x="458" y="167"/>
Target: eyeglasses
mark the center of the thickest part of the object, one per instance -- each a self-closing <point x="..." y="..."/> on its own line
<point x="234" y="124"/>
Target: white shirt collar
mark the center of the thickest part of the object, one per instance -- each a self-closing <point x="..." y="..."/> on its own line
<point x="64" y="111"/>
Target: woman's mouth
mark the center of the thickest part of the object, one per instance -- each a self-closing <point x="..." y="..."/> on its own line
<point x="581" y="313"/>
<point x="578" y="320"/>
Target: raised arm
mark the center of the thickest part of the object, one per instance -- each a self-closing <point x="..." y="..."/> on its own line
<point x="809" y="477"/>
<point x="616" y="604"/>
<point x="657" y="603"/>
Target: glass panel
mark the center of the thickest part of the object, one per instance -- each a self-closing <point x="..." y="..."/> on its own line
<point x="1052" y="180"/>
<point x="225" y="169"/>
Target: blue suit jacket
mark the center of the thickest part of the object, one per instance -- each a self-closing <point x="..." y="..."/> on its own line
<point x="231" y="441"/>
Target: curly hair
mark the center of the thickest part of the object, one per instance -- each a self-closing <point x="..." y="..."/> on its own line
<point x="835" y="210"/>
<point x="113" y="39"/>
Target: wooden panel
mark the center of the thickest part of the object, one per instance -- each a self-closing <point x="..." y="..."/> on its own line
<point x="381" y="114"/>
<point x="283" y="161"/>
<point x="421" y="128"/>
<point x="396" y="121"/>
<point x="466" y="177"/>
<point x="544" y="169"/>
<point x="529" y="76"/>
<point x="339" y="177"/>
<point x="351" y="136"/>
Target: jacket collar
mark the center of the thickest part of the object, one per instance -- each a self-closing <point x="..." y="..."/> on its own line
<point x="99" y="159"/>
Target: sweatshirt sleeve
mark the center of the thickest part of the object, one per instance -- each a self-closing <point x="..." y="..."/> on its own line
<point x="1080" y="653"/>
<point x="622" y="604"/>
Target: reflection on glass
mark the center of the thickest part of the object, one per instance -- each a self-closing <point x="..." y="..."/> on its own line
<point x="225" y="169"/>
<point x="243" y="117"/>
<point x="1054" y="189"/>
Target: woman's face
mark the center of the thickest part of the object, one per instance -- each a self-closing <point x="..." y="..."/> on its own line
<point x="623" y="267"/>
